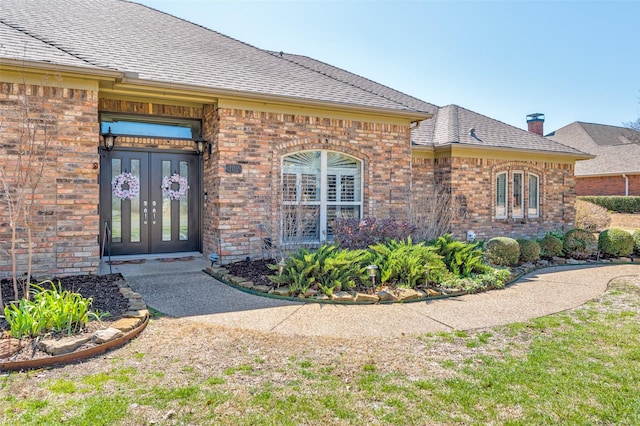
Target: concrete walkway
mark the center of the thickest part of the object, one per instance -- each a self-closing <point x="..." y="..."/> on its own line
<point x="186" y="291"/>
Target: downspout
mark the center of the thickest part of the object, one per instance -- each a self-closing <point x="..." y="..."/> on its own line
<point x="626" y="185"/>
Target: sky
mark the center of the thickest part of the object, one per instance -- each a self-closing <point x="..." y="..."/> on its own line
<point x="570" y="60"/>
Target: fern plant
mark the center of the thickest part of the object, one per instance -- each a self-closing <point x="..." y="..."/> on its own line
<point x="462" y="259"/>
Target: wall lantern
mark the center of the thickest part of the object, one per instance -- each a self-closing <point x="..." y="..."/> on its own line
<point x="109" y="140"/>
<point x="202" y="146"/>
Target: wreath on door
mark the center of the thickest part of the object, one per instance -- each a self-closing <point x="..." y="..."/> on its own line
<point x="130" y="181"/>
<point x="175" y="194"/>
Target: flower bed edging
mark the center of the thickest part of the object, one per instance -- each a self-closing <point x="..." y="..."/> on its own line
<point x="136" y="309"/>
<point x="222" y="275"/>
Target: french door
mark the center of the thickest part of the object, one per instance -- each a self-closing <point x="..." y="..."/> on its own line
<point x="150" y="201"/>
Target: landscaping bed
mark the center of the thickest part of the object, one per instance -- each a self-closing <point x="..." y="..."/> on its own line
<point x="107" y="300"/>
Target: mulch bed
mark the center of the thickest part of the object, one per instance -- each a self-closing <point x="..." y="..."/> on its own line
<point x="101" y="288"/>
<point x="256" y="270"/>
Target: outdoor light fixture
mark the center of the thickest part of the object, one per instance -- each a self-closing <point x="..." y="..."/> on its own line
<point x="372" y="274"/>
<point x="109" y="140"/>
<point x="281" y="265"/>
<point x="202" y="146"/>
<point x="426" y="273"/>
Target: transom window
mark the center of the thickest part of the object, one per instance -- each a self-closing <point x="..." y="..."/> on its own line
<point x="149" y="126"/>
<point x="317" y="188"/>
<point x="521" y="187"/>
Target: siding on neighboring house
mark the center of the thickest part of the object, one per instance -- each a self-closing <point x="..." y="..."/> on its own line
<point x="607" y="185"/>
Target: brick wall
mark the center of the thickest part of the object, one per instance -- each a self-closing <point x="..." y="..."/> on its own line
<point x="244" y="207"/>
<point x="607" y="185"/>
<point x="66" y="222"/>
<point x="471" y="182"/>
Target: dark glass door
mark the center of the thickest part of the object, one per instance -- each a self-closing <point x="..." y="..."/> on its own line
<point x="150" y="201"/>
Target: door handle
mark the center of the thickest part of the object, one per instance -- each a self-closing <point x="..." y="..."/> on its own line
<point x="145" y="214"/>
<point x="153" y="211"/>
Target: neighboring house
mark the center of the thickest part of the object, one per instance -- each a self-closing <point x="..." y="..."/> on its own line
<point x="269" y="145"/>
<point x="615" y="170"/>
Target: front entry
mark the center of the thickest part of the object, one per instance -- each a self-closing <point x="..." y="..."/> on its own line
<point x="150" y="201"/>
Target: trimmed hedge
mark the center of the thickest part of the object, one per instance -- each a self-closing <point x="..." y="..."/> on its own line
<point x="502" y="251"/>
<point x="580" y="244"/>
<point x="550" y="246"/>
<point x="615" y="242"/>
<point x="636" y="240"/>
<point x="617" y="204"/>
<point x="529" y="250"/>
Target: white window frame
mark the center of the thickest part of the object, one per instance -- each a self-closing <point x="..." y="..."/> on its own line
<point x="504" y="195"/>
<point x="323" y="201"/>
<point x="513" y="194"/>
<point x="536" y="213"/>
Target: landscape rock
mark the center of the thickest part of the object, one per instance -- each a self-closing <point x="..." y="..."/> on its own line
<point x="261" y="288"/>
<point x="311" y="293"/>
<point x="575" y="262"/>
<point x="362" y="297"/>
<point x="559" y="260"/>
<point x="281" y="291"/>
<point x="407" y="294"/>
<point x="386" y="296"/>
<point x="136" y="313"/>
<point x="107" y="335"/>
<point x="342" y="296"/>
<point x="432" y="293"/>
<point x="62" y="346"/>
<point x="542" y="262"/>
<point x="126" y="324"/>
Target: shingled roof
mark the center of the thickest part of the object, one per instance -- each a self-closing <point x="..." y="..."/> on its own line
<point x="450" y="124"/>
<point x="152" y="46"/>
<point x="616" y="149"/>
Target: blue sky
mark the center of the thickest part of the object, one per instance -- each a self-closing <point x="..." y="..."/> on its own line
<point x="571" y="60"/>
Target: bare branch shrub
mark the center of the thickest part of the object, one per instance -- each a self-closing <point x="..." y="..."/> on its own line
<point x="591" y="216"/>
<point x="24" y="161"/>
<point x="433" y="213"/>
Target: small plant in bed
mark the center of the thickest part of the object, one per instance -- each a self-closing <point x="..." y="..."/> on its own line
<point x="50" y="310"/>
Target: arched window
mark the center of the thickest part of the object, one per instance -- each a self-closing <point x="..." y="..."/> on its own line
<point x="317" y="188"/>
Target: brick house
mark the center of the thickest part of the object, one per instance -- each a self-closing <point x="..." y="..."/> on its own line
<point x="227" y="144"/>
<point x="615" y="168"/>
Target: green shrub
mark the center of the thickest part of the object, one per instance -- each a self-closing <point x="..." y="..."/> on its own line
<point x="636" y="240"/>
<point x="329" y="267"/>
<point x="550" y="246"/>
<point x="615" y="242"/>
<point x="617" y="204"/>
<point x="502" y="251"/>
<point x="50" y="310"/>
<point x="529" y="250"/>
<point x="460" y="258"/>
<point x="580" y="243"/>
<point x="404" y="264"/>
<point x="591" y="216"/>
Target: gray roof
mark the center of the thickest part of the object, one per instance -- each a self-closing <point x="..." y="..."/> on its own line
<point x="130" y="37"/>
<point x="450" y="123"/>
<point x="616" y="149"/>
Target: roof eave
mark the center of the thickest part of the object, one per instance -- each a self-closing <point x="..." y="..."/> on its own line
<point x="564" y="155"/>
<point x="413" y="116"/>
<point x="50" y="66"/>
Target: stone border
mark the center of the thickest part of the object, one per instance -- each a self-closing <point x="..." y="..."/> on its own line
<point x="136" y="309"/>
<point x="222" y="275"/>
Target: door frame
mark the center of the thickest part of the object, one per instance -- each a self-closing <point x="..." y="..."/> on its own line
<point x="104" y="183"/>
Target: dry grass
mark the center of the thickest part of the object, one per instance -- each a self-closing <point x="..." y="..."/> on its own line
<point x="627" y="221"/>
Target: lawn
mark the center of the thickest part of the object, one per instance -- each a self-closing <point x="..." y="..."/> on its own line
<point x="577" y="367"/>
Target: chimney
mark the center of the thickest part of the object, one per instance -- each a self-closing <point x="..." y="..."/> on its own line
<point x="536" y="123"/>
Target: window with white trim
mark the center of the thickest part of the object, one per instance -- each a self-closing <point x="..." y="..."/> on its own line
<point x="501" y="195"/>
<point x="518" y="194"/>
<point x="317" y="188"/>
<point x="534" y="200"/>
